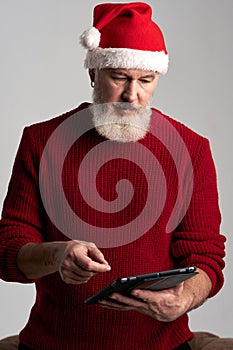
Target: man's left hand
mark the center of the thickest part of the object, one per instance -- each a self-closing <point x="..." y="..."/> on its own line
<point x="165" y="305"/>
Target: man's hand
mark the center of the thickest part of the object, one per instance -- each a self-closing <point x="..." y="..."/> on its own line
<point x="166" y="305"/>
<point x="81" y="261"/>
<point x="76" y="261"/>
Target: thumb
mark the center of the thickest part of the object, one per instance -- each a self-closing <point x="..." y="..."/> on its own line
<point x="95" y="254"/>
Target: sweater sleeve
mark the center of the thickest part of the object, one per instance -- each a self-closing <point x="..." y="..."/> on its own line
<point x="22" y="210"/>
<point x="197" y="240"/>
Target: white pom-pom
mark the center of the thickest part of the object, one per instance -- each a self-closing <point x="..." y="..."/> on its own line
<point x="90" y="38"/>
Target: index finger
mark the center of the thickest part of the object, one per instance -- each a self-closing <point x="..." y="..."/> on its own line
<point x="93" y="262"/>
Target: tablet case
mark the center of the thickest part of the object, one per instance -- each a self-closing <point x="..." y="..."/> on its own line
<point x="152" y="281"/>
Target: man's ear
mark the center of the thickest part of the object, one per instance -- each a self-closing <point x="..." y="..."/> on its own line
<point x="92" y="74"/>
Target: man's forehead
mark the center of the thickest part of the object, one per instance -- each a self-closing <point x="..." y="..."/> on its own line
<point x="130" y="72"/>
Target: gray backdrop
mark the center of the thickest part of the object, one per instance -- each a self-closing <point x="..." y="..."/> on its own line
<point x="42" y="75"/>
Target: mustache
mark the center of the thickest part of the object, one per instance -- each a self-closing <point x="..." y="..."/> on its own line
<point x="125" y="105"/>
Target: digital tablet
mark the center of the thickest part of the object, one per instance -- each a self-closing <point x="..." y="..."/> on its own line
<point x="151" y="281"/>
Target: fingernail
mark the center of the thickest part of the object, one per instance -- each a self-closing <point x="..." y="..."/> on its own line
<point x="108" y="268"/>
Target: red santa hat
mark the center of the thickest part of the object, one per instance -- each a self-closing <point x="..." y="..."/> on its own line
<point x="124" y="36"/>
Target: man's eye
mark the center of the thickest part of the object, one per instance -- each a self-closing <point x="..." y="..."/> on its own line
<point x="145" y="81"/>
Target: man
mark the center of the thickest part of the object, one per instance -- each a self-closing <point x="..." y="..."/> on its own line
<point x="118" y="139"/>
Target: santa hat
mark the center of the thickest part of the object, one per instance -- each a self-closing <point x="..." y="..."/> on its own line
<point x="124" y="36"/>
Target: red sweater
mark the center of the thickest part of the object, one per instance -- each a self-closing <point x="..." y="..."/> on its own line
<point x="60" y="319"/>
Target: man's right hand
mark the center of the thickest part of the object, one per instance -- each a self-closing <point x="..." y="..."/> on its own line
<point x="76" y="261"/>
<point x="81" y="261"/>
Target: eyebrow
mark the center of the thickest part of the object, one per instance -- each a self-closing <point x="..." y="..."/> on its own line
<point x="151" y="75"/>
<point x="119" y="72"/>
<point x="113" y="71"/>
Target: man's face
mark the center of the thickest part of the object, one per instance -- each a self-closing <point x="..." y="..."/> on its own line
<point x="125" y="85"/>
<point x="121" y="99"/>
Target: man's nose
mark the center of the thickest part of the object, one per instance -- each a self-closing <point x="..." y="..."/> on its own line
<point x="130" y="93"/>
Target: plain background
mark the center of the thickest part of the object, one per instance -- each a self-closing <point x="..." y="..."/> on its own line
<point x="42" y="75"/>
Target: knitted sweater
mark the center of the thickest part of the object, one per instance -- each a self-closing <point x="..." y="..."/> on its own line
<point x="59" y="318"/>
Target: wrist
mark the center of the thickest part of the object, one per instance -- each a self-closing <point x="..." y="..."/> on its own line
<point x="198" y="288"/>
<point x="36" y="260"/>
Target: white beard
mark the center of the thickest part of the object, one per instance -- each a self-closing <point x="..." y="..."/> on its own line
<point x="112" y="121"/>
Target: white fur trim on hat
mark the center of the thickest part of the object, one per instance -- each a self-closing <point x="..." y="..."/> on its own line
<point x="127" y="59"/>
<point x="90" y="38"/>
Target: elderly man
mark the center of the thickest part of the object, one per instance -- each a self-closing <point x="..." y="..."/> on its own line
<point x="72" y="234"/>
